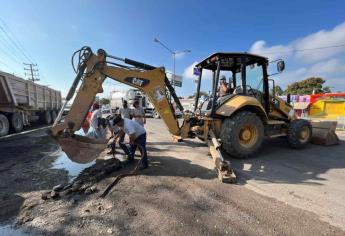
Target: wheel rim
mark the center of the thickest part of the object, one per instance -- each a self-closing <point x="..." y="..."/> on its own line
<point x="248" y="135"/>
<point x="304" y="134"/>
<point x="1" y="125"/>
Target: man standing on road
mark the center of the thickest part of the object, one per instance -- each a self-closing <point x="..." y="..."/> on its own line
<point x="125" y="111"/>
<point x="138" y="113"/>
<point x="137" y="137"/>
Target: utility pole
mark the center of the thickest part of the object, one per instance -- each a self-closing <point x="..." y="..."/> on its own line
<point x="32" y="72"/>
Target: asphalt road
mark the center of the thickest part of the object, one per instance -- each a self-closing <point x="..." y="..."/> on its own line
<point x="179" y="194"/>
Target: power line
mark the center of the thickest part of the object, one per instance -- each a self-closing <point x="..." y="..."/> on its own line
<point x="16" y="45"/>
<point x="13" y="42"/>
<point x="10" y="48"/>
<point x="307" y="49"/>
<point x="16" y="39"/>
<point x="9" y="67"/>
<point x="10" y="56"/>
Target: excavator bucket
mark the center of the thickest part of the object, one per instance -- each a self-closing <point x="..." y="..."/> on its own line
<point x="82" y="149"/>
<point x="324" y="133"/>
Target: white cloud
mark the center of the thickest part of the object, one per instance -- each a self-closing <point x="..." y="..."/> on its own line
<point x="274" y="52"/>
<point x="322" y="38"/>
<point x="326" y="63"/>
<point x="292" y="76"/>
<point x="331" y="70"/>
<point x="332" y="66"/>
<point x="188" y="73"/>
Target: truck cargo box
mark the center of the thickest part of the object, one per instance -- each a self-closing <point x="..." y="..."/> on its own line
<point x="23" y="101"/>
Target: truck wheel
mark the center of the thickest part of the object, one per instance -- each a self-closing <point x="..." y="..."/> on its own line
<point x="299" y="134"/>
<point x="16" y="122"/>
<point x="155" y="115"/>
<point x="53" y="116"/>
<point x="4" y="125"/>
<point x="242" y="134"/>
<point x="46" y="117"/>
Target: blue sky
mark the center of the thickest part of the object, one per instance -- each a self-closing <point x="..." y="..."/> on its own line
<point x="51" y="31"/>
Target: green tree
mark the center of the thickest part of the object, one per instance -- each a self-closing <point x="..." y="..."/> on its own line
<point x="279" y="90"/>
<point x="202" y="93"/>
<point x="327" y="89"/>
<point x="104" y="101"/>
<point x="307" y="86"/>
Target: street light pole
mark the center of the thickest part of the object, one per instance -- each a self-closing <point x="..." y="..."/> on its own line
<point x="173" y="53"/>
<point x="173" y="79"/>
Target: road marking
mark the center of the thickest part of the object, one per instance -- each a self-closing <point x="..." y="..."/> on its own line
<point x="24" y="132"/>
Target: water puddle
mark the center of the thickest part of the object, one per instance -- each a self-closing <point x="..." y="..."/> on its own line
<point x="58" y="160"/>
<point x="73" y="168"/>
<point x="10" y="230"/>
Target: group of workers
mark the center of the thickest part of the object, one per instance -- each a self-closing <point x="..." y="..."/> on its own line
<point x="126" y="121"/>
<point x="129" y="121"/>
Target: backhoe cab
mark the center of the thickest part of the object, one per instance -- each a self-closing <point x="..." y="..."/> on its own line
<point x="248" y="112"/>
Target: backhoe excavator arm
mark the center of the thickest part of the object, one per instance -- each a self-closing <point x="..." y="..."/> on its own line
<point x="94" y="69"/>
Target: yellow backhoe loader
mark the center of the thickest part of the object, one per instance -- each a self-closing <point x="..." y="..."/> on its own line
<point x="235" y="124"/>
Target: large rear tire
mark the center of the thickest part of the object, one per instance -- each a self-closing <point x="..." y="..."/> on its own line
<point x="46" y="117"/>
<point x="54" y="115"/>
<point x="299" y="134"/>
<point x="16" y="122"/>
<point x="242" y="134"/>
<point x="4" y="125"/>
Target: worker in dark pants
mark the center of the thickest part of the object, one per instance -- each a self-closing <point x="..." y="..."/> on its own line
<point x="137" y="137"/>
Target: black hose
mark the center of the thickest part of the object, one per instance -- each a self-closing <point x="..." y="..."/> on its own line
<point x="120" y="176"/>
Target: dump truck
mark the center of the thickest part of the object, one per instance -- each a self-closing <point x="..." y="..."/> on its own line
<point x="234" y="124"/>
<point x="23" y="101"/>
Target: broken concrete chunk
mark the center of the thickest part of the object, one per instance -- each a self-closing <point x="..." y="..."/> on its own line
<point x="45" y="195"/>
<point x="58" y="188"/>
<point x="90" y="190"/>
<point x="76" y="185"/>
<point x="54" y="194"/>
<point x="67" y="186"/>
<point x="65" y="192"/>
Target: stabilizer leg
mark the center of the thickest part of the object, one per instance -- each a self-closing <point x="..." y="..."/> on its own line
<point x="225" y="172"/>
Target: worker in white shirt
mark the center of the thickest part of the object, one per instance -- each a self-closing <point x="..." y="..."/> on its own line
<point x="125" y="111"/>
<point x="138" y="113"/>
<point x="137" y="136"/>
<point x="98" y="127"/>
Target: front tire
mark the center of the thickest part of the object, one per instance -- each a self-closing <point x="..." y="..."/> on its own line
<point x="299" y="134"/>
<point x="156" y="115"/>
<point x="242" y="134"/>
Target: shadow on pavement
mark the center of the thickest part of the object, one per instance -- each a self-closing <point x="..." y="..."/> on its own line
<point x="276" y="162"/>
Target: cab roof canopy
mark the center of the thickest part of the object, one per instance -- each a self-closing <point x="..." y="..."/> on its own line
<point x="230" y="60"/>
